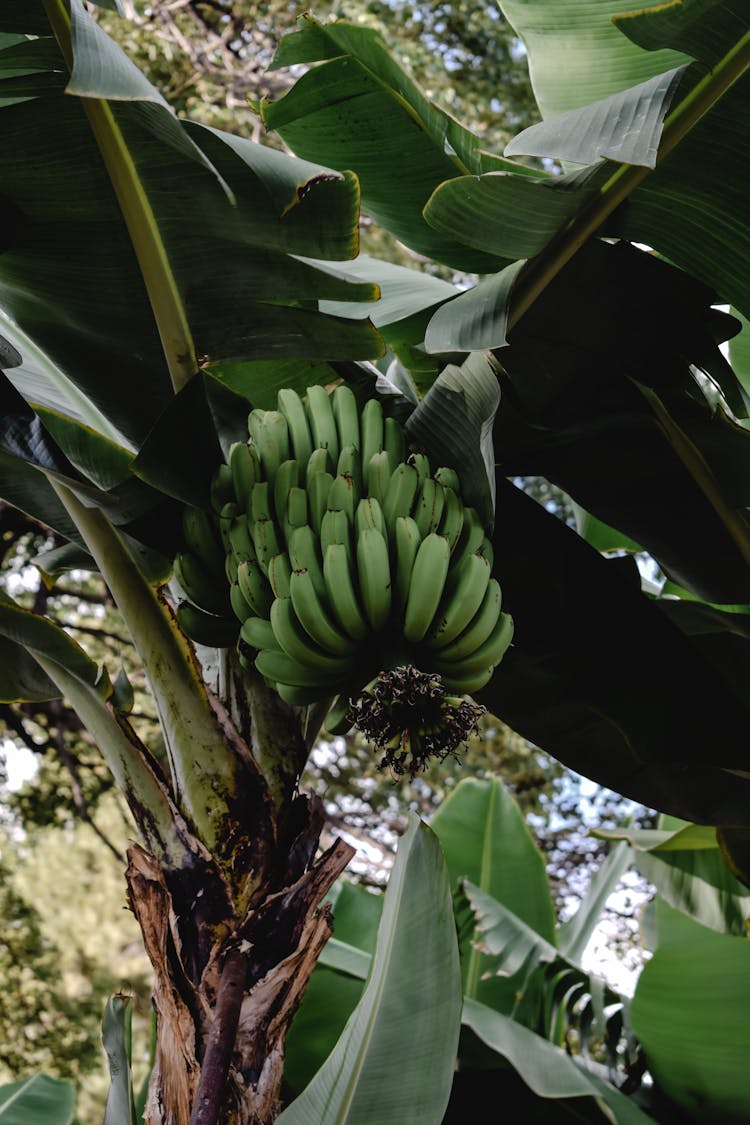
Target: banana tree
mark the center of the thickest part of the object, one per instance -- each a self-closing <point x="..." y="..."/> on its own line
<point x="161" y="282"/>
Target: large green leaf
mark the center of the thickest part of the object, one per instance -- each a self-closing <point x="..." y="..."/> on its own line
<point x="72" y="284"/>
<point x="574" y="935"/>
<point x="685" y="864"/>
<point x="38" y="1100"/>
<point x="548" y="1070"/>
<point x="398" y="1048"/>
<point x="358" y="109"/>
<point x="603" y="681"/>
<point x="690" y="1013"/>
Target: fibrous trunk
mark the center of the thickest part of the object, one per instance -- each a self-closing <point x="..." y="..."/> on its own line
<point x="227" y="983"/>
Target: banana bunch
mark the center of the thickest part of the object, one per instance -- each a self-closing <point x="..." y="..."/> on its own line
<point x="343" y="556"/>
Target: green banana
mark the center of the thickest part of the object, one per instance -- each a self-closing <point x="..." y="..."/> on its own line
<point x="287" y="477"/>
<point x="465" y="685"/>
<point x="488" y="655"/>
<point x="335" y="528"/>
<point x="296" y="510"/>
<point x="369" y="514"/>
<point x="240" y="540"/>
<point x="486" y="550"/>
<point x="319" y="462"/>
<point x="201" y="588"/>
<point x="242" y="609"/>
<point x="245" y="468"/>
<point x="279" y="573"/>
<point x="373" y="570"/>
<point x="258" y="633"/>
<point x="479" y="628"/>
<point x="337" y="571"/>
<point x="426" y="586"/>
<point x="377" y="473"/>
<point x="270" y="435"/>
<point x="314" y="616"/>
<point x="394" y="442"/>
<point x="318" y="488"/>
<point x="336" y="721"/>
<point x="429" y="506"/>
<point x="471" y="537"/>
<point x="350" y="464"/>
<point x="230" y="568"/>
<point x="297" y="644"/>
<point x="254" y="587"/>
<point x="322" y="422"/>
<point x="400" y="494"/>
<point x="371" y="430"/>
<point x="343" y="496"/>
<point x="229" y="512"/>
<point x="448" y="478"/>
<point x="206" y="628"/>
<point x="222" y="488"/>
<point x="421" y="464"/>
<point x="281" y="669"/>
<point x="304" y="554"/>
<point x="293" y="409"/>
<point x="407" y="545"/>
<point x="202" y="538"/>
<point x="346" y="413"/>
<point x="261" y="504"/>
<point x="266" y="542"/>
<point x="300" y="696"/>
<point x="464" y="593"/>
<point x="453" y="516"/>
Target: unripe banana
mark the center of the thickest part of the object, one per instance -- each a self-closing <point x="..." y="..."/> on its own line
<point x="319" y="462"/>
<point x="466" y="685"/>
<point x="488" y="655"/>
<point x="240" y="540"/>
<point x="296" y="510"/>
<point x="448" y="478"/>
<point x="304" y="554"/>
<point x="314" y="616"/>
<point x="336" y="721"/>
<point x="335" y="528"/>
<point x="350" y="464"/>
<point x="255" y="589"/>
<point x="292" y="407"/>
<point x="297" y="644"/>
<point x="240" y="605"/>
<point x="337" y="571"/>
<point x="426" y="587"/>
<point x="261" y="504"/>
<point x="479" y="628"/>
<point x="371" y="430"/>
<point x="453" y="517"/>
<point x="400" y="494"/>
<point x="407" y="545"/>
<point x="471" y="537"/>
<point x="258" y="633"/>
<point x="487" y="551"/>
<point x="373" y="570"/>
<point x="464" y="594"/>
<point x="279" y="668"/>
<point x="421" y="464"/>
<point x="394" y="442"/>
<point x="279" y="573"/>
<point x="318" y="488"/>
<point x="346" y="413"/>
<point x="202" y="538"/>
<point x="206" y="628"/>
<point x="270" y="435"/>
<point x="222" y="488"/>
<point x="369" y="514"/>
<point x="287" y="478"/>
<point x="343" y="496"/>
<point x="266" y="542"/>
<point x="429" y="506"/>
<point x="245" y="468"/>
<point x="229" y="512"/>
<point x="230" y="568"/>
<point x="201" y="588"/>
<point x="300" y="696"/>
<point x="378" y="476"/>
<point x="322" y="422"/>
